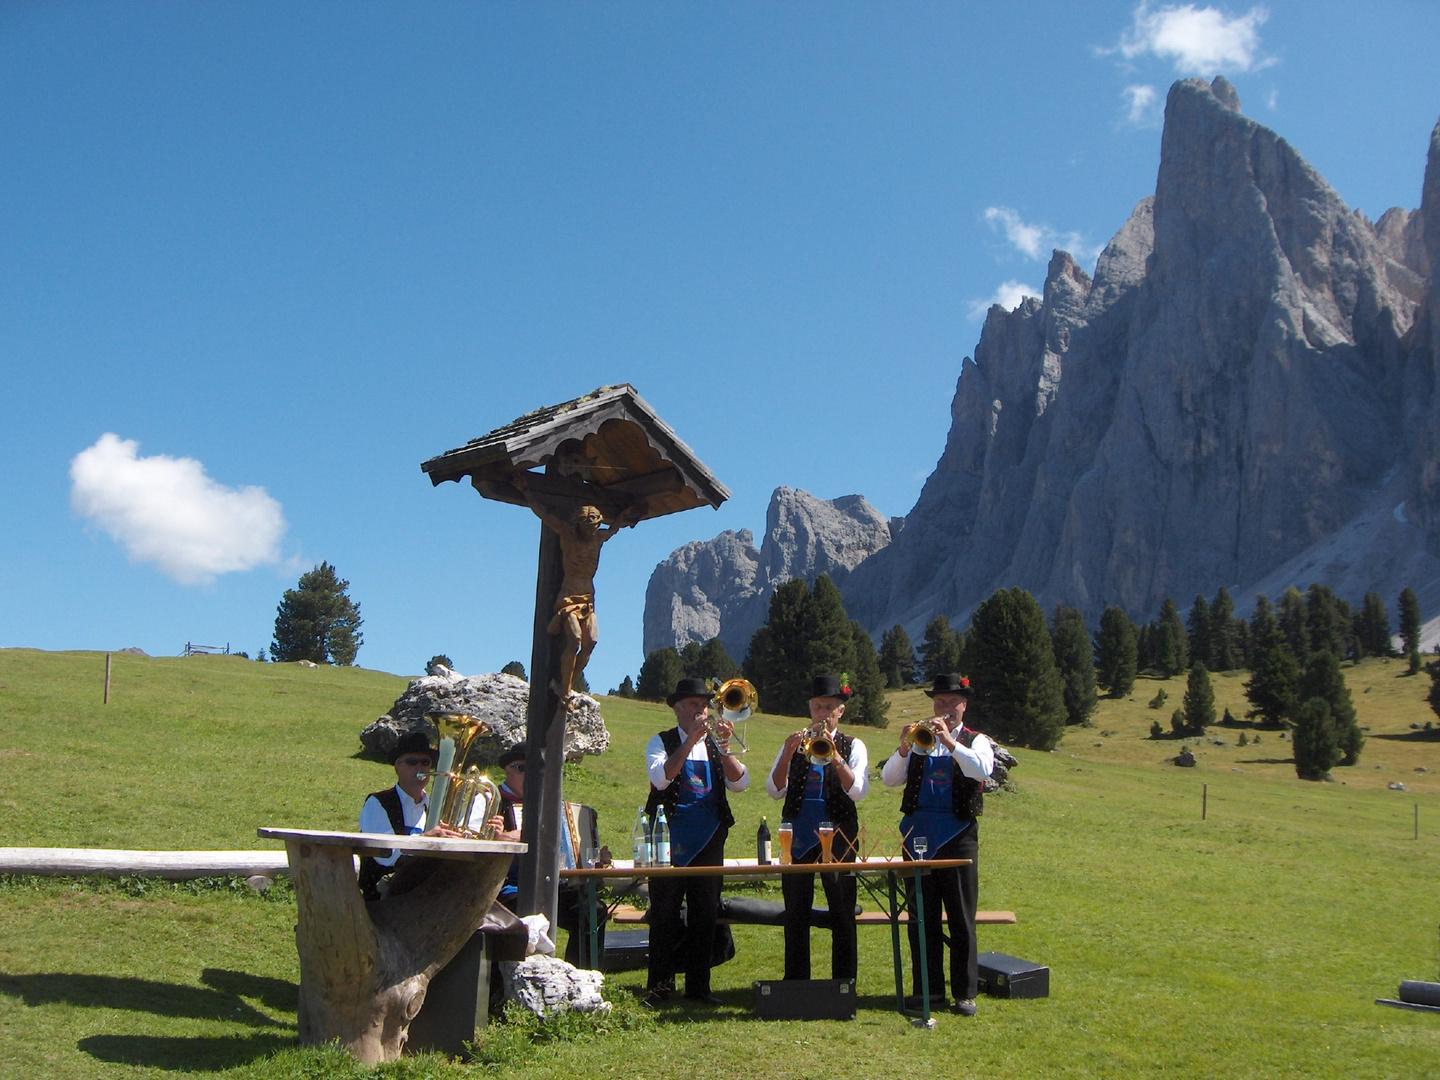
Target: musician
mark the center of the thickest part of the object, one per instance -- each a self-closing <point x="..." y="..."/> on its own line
<point x="690" y="772"/>
<point x="815" y="793"/>
<point x="941" y="802"/>
<point x="400" y="809"/>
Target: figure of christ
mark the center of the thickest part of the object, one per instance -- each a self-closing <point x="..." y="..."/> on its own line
<point x="574" y="619"/>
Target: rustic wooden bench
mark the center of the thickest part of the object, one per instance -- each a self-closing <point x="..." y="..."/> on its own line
<point x="629" y="915"/>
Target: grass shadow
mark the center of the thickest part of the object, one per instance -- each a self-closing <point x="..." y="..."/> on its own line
<point x="180" y="1054"/>
<point x="1267" y="761"/>
<point x="277" y="994"/>
<point x="142" y="995"/>
<point x="1433" y="735"/>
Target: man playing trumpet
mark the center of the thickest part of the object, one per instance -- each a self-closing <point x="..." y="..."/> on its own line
<point x="821" y="774"/>
<point x="942" y="799"/>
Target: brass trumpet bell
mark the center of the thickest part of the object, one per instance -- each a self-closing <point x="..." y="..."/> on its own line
<point x="922" y="736"/>
<point x="736" y="700"/>
<point x="819" y="748"/>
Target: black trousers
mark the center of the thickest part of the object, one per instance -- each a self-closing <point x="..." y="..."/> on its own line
<point x="958" y="890"/>
<point x="696" y="935"/>
<point x="799" y="893"/>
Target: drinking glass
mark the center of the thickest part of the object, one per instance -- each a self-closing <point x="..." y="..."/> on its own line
<point x="827" y="839"/>
<point x="921" y="844"/>
<point x="784" y="836"/>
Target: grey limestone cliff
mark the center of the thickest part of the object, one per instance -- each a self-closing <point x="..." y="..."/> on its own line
<point x="722" y="587"/>
<point x="1244" y="395"/>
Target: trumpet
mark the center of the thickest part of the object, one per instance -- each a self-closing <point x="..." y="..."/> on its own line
<point x="923" y="736"/>
<point x="818" y="746"/>
<point x="735" y="700"/>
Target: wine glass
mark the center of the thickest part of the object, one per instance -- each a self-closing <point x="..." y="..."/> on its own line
<point x="921" y="844"/>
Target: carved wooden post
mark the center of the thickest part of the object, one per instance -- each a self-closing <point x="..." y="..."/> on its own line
<point x="544" y="748"/>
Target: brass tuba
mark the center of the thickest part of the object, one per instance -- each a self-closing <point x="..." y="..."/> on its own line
<point x="458" y="732"/>
<point x="471" y="800"/>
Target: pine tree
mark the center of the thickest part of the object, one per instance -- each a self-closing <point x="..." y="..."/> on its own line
<point x="516" y="668"/>
<point x="317" y="621"/>
<point x="1291" y="617"/>
<point x="1271" y="686"/>
<point x="1199" y="701"/>
<point x="939" y="649"/>
<point x="1222" y="633"/>
<point x="1075" y="661"/>
<point x="776" y="660"/>
<point x="438" y="661"/>
<point x="1410" y="627"/>
<point x="1176" y="654"/>
<point x="1323" y="679"/>
<point x="626" y="688"/>
<point x="897" y="658"/>
<point x="659" y="674"/>
<point x="1315" y="739"/>
<point x="1199" y="628"/>
<point x="1327" y="622"/>
<point x="868" y="704"/>
<point x="831" y="645"/>
<point x="1372" y="627"/>
<point x="1115" y="653"/>
<point x="690" y="660"/>
<point x="1018" y="696"/>
<point x="715" y="662"/>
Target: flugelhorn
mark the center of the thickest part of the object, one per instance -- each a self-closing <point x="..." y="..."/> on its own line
<point x="819" y="747"/>
<point x="923" y="735"/>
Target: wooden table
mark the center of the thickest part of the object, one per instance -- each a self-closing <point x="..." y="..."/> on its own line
<point x="365" y="967"/>
<point x="868" y="871"/>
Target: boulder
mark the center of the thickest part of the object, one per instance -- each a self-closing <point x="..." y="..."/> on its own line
<point x="499" y="700"/>
<point x="546" y="986"/>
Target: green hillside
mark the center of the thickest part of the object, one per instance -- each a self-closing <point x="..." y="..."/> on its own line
<point x="1248" y="944"/>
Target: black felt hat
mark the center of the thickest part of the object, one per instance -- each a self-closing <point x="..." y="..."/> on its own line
<point x="830" y="686"/>
<point x="950" y="683"/>
<point x="414" y="742"/>
<point x="512" y="756"/>
<point x="689" y="688"/>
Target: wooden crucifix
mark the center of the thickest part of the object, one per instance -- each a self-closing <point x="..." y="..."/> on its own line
<point x="605" y="461"/>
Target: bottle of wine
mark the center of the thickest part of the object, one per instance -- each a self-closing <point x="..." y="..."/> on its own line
<point x="762" y="843"/>
<point x="661" y="839"/>
<point x="640" y="840"/>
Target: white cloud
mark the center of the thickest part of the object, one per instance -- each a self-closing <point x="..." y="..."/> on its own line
<point x="1198" y="41"/>
<point x="1008" y="296"/>
<point x="166" y="511"/>
<point x="1036" y="241"/>
<point x="1140" y="105"/>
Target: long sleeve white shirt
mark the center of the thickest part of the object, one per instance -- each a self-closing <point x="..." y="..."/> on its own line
<point x="859" y="762"/>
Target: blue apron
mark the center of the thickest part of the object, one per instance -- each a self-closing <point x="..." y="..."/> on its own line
<point x="697" y="811"/>
<point x="934" y="817"/>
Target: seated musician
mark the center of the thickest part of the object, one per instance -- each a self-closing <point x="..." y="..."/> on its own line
<point x="400" y="809"/>
<point x="816" y="792"/>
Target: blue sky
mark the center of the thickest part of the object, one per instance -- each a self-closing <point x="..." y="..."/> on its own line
<point x="281" y="254"/>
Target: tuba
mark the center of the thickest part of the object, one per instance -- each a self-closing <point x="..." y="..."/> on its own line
<point x="458" y="732"/>
<point x="735" y="700"/>
<point x="471" y="800"/>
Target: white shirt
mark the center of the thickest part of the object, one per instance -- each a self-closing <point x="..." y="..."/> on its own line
<point x="374" y="819"/>
<point x="977" y="761"/>
<point x="859" y="762"/>
<point x="655" y="757"/>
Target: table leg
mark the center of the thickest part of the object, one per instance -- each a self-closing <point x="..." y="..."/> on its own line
<point x="895" y="942"/>
<point x="919" y="915"/>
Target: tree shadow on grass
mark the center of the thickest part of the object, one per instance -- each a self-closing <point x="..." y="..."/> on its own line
<point x="158" y="998"/>
<point x="196" y="1054"/>
<point x="1433" y="735"/>
<point x="1266" y="761"/>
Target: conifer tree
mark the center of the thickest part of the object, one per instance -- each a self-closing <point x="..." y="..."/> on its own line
<point x="690" y="660"/>
<point x="897" y="657"/>
<point x="1315" y="739"/>
<point x="1075" y="661"/>
<point x="1271" y="686"/>
<point x="1328" y="621"/>
<point x="939" y="649"/>
<point x="715" y="662"/>
<point x="1115" y="653"/>
<point x="1410" y="627"/>
<point x="1199" y="628"/>
<point x="1222" y="633"/>
<point x="1018" y="695"/>
<point x="868" y="704"/>
<point x="776" y="661"/>
<point x="1372" y="627"/>
<point x="1323" y="679"/>
<point x="659" y="673"/>
<point x="1176" y="650"/>
<point x="1199" y="701"/>
<point x="1291" y="618"/>
<point x="317" y="621"/>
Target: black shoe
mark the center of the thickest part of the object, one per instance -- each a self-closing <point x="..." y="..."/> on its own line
<point x="655" y="997"/>
<point x="704" y="999"/>
<point x="965" y="1007"/>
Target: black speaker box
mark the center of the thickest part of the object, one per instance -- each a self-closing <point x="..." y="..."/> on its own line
<point x="1009" y="977"/>
<point x="805" y="999"/>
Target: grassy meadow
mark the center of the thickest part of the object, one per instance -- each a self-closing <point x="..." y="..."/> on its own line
<point x="1248" y="944"/>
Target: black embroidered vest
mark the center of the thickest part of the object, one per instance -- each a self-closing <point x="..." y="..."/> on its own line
<point x="968" y="796"/>
<point x="669" y="796"/>
<point x="838" y="804"/>
<point x="371" y="871"/>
